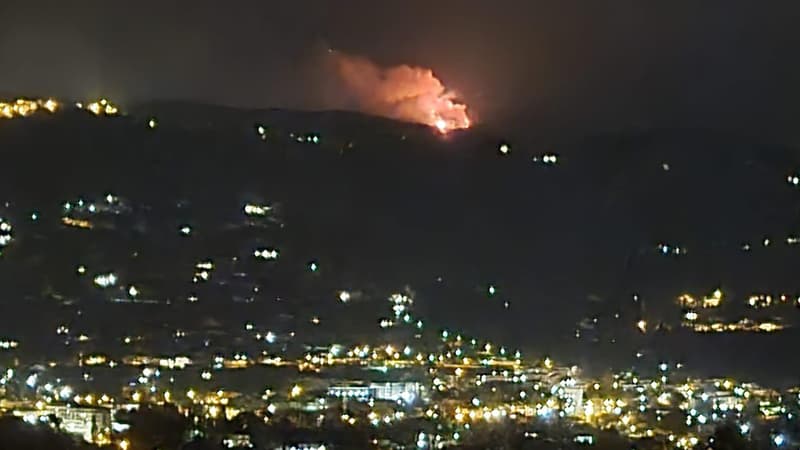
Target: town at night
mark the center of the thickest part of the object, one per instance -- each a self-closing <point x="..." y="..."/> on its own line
<point x="346" y="225"/>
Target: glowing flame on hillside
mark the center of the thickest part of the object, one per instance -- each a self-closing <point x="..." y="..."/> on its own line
<point x="402" y="92"/>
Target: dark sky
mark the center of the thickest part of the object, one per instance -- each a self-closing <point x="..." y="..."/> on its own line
<point x="722" y="64"/>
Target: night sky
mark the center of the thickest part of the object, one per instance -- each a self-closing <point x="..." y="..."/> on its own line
<point x="621" y="64"/>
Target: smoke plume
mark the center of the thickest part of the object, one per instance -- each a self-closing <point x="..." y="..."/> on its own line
<point x="408" y="93"/>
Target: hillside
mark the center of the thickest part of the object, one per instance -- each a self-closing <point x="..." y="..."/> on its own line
<point x="381" y="205"/>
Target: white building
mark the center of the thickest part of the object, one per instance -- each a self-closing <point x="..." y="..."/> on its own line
<point x="407" y="392"/>
<point x="91" y="424"/>
<point x="570" y="391"/>
<point x="356" y="392"/>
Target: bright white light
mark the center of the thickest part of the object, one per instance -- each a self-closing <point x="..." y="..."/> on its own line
<point x="65" y="392"/>
<point x="256" y="210"/>
<point x="5" y="233"/>
<point x="549" y="158"/>
<point x="266" y="253"/>
<point x="105" y="280"/>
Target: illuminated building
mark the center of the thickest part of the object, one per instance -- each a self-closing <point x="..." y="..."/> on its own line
<point x="23" y="107"/>
<point x="256" y="210"/>
<point x="94" y="360"/>
<point x="303" y="446"/>
<point x="714" y="300"/>
<point x="687" y="301"/>
<point x="101" y="107"/>
<point x="91" y="424"/>
<point x="238" y="440"/>
<point x="408" y="392"/>
<point x="351" y="391"/>
<point x="571" y="393"/>
<point x="405" y="391"/>
<point x="5" y="233"/>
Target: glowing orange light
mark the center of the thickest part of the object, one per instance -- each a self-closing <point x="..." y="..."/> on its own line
<point x="404" y="92"/>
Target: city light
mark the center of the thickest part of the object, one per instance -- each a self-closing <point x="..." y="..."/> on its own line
<point x="105" y="280"/>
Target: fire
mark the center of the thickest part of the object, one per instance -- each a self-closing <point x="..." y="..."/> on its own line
<point x="402" y="92"/>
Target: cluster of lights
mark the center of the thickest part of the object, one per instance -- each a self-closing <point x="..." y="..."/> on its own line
<point x="690" y="304"/>
<point x="562" y="403"/>
<point x="547" y="158"/>
<point x="758" y="301"/>
<point x="7" y="344"/>
<point x="401" y="305"/>
<point x="256" y="210"/>
<point x="101" y="107"/>
<point x="75" y="213"/>
<point x="262" y="132"/>
<point x="709" y="301"/>
<point x="95" y="360"/>
<point x="666" y="249"/>
<point x="105" y="280"/>
<point x="23" y="107"/>
<point x="77" y="223"/>
<point x="308" y="138"/>
<point x="742" y="325"/>
<point x="766" y="242"/>
<point x="5" y="233"/>
<point x="714" y="300"/>
<point x="202" y="271"/>
<point x="401" y="310"/>
<point x="266" y="253"/>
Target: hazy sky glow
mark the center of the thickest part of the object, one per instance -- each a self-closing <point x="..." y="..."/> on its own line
<point x="623" y="63"/>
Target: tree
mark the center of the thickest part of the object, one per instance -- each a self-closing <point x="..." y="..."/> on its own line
<point x="159" y="427"/>
<point x="727" y="437"/>
<point x="18" y="435"/>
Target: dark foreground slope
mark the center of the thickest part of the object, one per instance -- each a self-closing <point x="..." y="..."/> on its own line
<point x="382" y="205"/>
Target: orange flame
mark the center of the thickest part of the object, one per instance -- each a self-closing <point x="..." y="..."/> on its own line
<point x="403" y="92"/>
